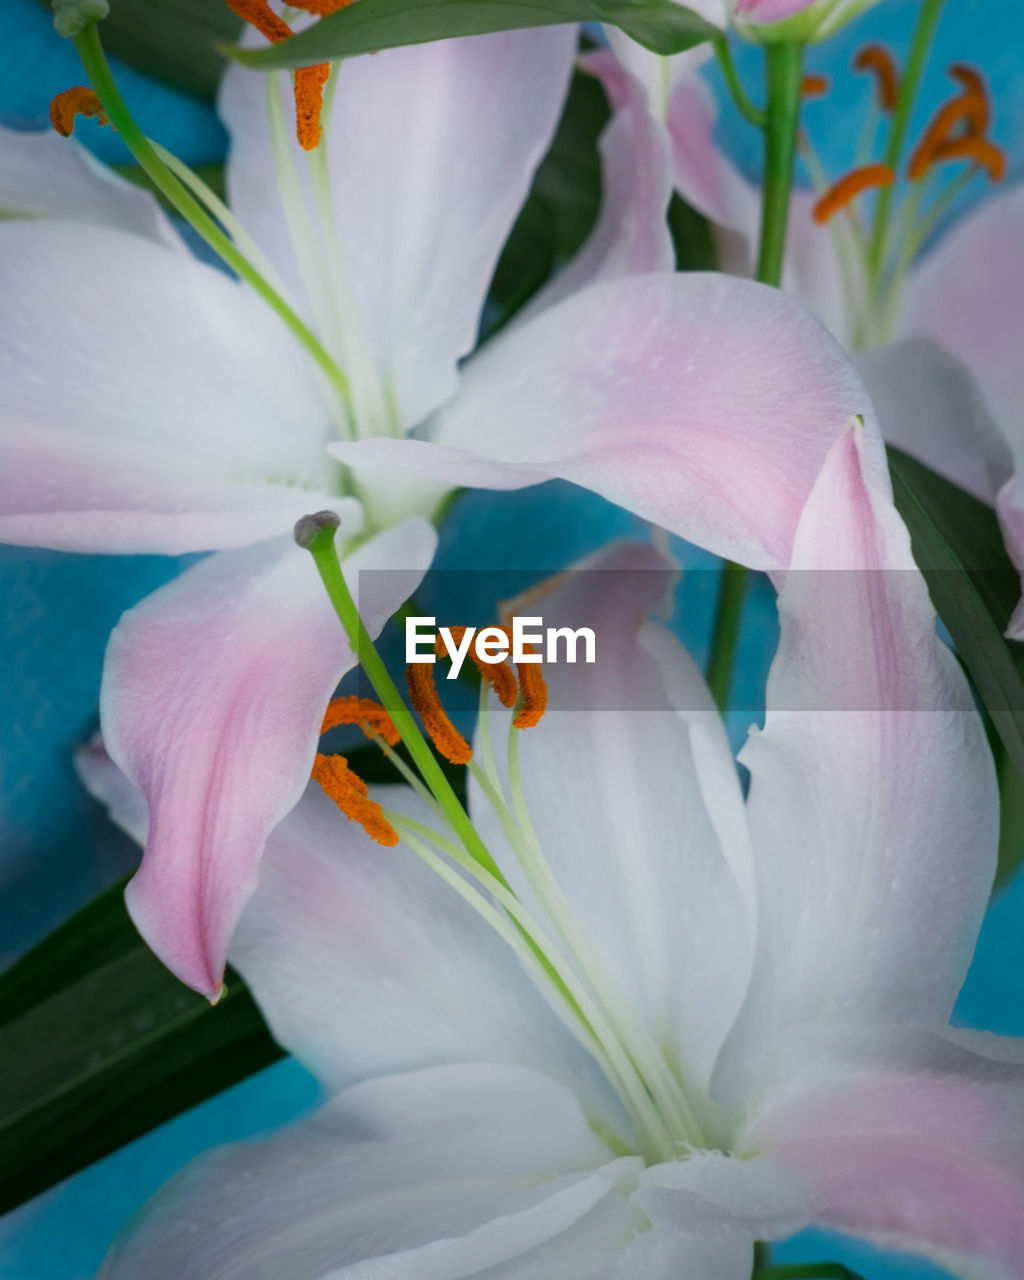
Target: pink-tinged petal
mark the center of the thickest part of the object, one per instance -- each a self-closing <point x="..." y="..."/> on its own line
<point x="968" y="295"/>
<point x="444" y="1174"/>
<point x="150" y="404"/>
<point x="872" y="803"/>
<point x="431" y="149"/>
<point x="213" y="693"/>
<point x="911" y="1138"/>
<point x="46" y="176"/>
<point x="631" y="236"/>
<point x="636" y="803"/>
<point x="929" y="405"/>
<point x="769" y="10"/>
<point x="702" y="403"/>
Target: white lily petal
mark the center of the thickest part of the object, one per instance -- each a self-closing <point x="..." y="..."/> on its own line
<point x="45" y="176"/>
<point x="626" y="783"/>
<point x="211" y="435"/>
<point x="872" y="801"/>
<point x="431" y="149"/>
<point x="431" y="1175"/>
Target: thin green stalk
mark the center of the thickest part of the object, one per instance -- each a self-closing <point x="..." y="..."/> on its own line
<point x="747" y="110"/>
<point x="784" y="64"/>
<point x="920" y="47"/>
<point x="317" y="536"/>
<point x="90" y="52"/>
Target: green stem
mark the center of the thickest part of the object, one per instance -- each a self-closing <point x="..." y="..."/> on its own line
<point x="920" y="46"/>
<point x="317" y="536"/>
<point x="784" y="64"/>
<point x="94" y="62"/>
<point x="747" y="110"/>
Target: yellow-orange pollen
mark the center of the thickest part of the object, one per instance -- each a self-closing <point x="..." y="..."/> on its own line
<point x="351" y="794"/>
<point x="309" y="81"/>
<point x="79" y="101"/>
<point x="815" y="86"/>
<point x="957" y="132"/>
<point x="370" y="716"/>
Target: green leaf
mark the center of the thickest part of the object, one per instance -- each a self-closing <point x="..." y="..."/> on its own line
<point x="974" y="586"/>
<point x="368" y="25"/>
<point x="101" y="1044"/>
<point x="175" y="41"/>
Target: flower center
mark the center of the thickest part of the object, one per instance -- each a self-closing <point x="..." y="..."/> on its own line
<point x="554" y="949"/>
<point x="875" y="265"/>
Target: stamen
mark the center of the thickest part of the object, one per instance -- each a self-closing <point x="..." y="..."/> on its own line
<point x="973" y="84"/>
<point x="309" y="81"/>
<point x="369" y="715"/>
<point x="849" y="188"/>
<point x="985" y="154"/>
<point x="879" y="62"/>
<point x="815" y="86"/>
<point x="444" y="735"/>
<point x="967" y="108"/>
<point x="533" y="690"/>
<point x="499" y="675"/>
<point x="350" y="793"/>
<point x="309" y="104"/>
<point x="79" y="101"/>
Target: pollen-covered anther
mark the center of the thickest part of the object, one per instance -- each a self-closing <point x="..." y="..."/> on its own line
<point x="320" y="7"/>
<point x="985" y="154"/>
<point x="309" y="81"/>
<point x="350" y="793"/>
<point x="533" y="692"/>
<point x="370" y="716"/>
<point x="425" y="698"/>
<point x="815" y="86"/>
<point x="968" y="110"/>
<point x="973" y="84"/>
<point x="879" y="62"/>
<point x="499" y="675"/>
<point x="850" y="187"/>
<point x="79" y="101"/>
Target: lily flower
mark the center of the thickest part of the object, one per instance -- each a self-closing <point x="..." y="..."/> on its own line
<point x="152" y="404"/>
<point x="751" y="1032"/>
<point x="933" y="324"/>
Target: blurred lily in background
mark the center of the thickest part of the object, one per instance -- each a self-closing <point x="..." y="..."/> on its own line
<point x="934" y="309"/>
<point x="740" y="1024"/>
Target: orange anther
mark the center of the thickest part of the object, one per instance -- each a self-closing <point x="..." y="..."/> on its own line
<point x="877" y="60"/>
<point x="533" y="690"/>
<point x="350" y="793"/>
<point x="973" y="84"/>
<point x="309" y="104"/>
<point x="815" y="86"/>
<point x="968" y="109"/>
<point x="309" y="81"/>
<point x="985" y="154"/>
<point x="369" y="715"/>
<point x="444" y="735"/>
<point x="499" y="675"/>
<point x="79" y="101"/>
<point x="846" y="189"/>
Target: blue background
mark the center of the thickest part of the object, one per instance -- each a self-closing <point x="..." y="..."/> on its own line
<point x="56" y="848"/>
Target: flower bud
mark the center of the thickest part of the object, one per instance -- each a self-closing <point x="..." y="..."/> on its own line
<point x="802" y="21"/>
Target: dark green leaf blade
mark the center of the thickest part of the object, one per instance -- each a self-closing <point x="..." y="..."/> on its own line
<point x="175" y="41"/>
<point x="974" y="586"/>
<point x="368" y="25"/>
<point x="101" y="1044"/>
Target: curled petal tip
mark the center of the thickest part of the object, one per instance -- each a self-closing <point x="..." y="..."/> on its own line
<point x="309" y="528"/>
